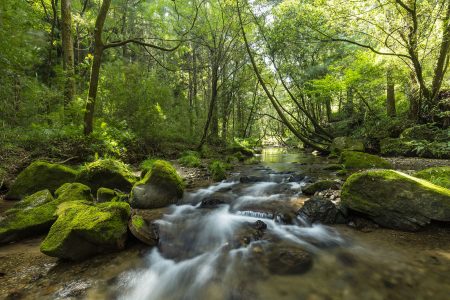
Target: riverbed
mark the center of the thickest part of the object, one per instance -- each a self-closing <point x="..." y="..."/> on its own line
<point x="241" y="239"/>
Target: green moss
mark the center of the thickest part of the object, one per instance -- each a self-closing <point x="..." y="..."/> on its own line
<point x="108" y="173"/>
<point x="137" y="221"/>
<point x="38" y="176"/>
<point x="146" y="165"/>
<point x="437" y="175"/>
<point x="190" y="160"/>
<point x="217" y="170"/>
<point x="73" y="191"/>
<point x="360" y="160"/>
<point x="31" y="216"/>
<point x="89" y="228"/>
<point x="163" y="174"/>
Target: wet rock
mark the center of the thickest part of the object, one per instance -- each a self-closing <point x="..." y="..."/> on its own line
<point x="108" y="173"/>
<point x="84" y="229"/>
<point x="145" y="231"/>
<point x="320" y="185"/>
<point x="216" y="199"/>
<point x="396" y="200"/>
<point x="252" y="179"/>
<point x="248" y="233"/>
<point x="321" y="210"/>
<point x="287" y="260"/>
<point x="296" y="178"/>
<point x="161" y="186"/>
<point x="39" y="176"/>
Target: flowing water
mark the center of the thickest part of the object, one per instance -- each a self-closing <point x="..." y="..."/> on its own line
<point x="226" y="240"/>
<point x="241" y="239"/>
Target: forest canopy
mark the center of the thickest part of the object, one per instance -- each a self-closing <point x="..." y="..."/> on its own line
<point x="128" y="77"/>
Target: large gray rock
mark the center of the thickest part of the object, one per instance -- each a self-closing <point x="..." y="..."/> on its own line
<point x="396" y="200"/>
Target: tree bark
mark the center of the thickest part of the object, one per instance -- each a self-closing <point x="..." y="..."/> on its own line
<point x="68" y="53"/>
<point x="390" y="94"/>
<point x="95" y="71"/>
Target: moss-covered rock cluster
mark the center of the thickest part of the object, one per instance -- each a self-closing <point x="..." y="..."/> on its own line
<point x="160" y="187"/>
<point x="36" y="213"/>
<point x="83" y="229"/>
<point x="38" y="176"/>
<point x="396" y="200"/>
<point x="78" y="224"/>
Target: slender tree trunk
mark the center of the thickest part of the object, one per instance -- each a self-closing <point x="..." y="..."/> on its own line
<point x="390" y="94"/>
<point x="413" y="97"/>
<point x="95" y="71"/>
<point x="68" y="54"/>
<point x="212" y="104"/>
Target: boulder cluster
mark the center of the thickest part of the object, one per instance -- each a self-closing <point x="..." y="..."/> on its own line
<point x="90" y="210"/>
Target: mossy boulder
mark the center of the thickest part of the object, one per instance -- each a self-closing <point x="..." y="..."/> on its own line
<point x="437" y="175"/>
<point x="320" y="185"/>
<point x="396" y="200"/>
<point x="40" y="175"/>
<point x="84" y="229"/>
<point x="360" y="160"/>
<point x="160" y="187"/>
<point x="32" y="216"/>
<point x="109" y="173"/>
<point x="73" y="191"/>
<point x="344" y="143"/>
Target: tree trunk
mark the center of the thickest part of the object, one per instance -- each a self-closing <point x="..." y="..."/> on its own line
<point x="68" y="54"/>
<point x="212" y="104"/>
<point x="390" y="94"/>
<point x="95" y="71"/>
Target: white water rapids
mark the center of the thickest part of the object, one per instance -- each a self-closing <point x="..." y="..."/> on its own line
<point x="201" y="255"/>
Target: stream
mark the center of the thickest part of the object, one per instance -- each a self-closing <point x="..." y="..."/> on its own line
<point x="242" y="239"/>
